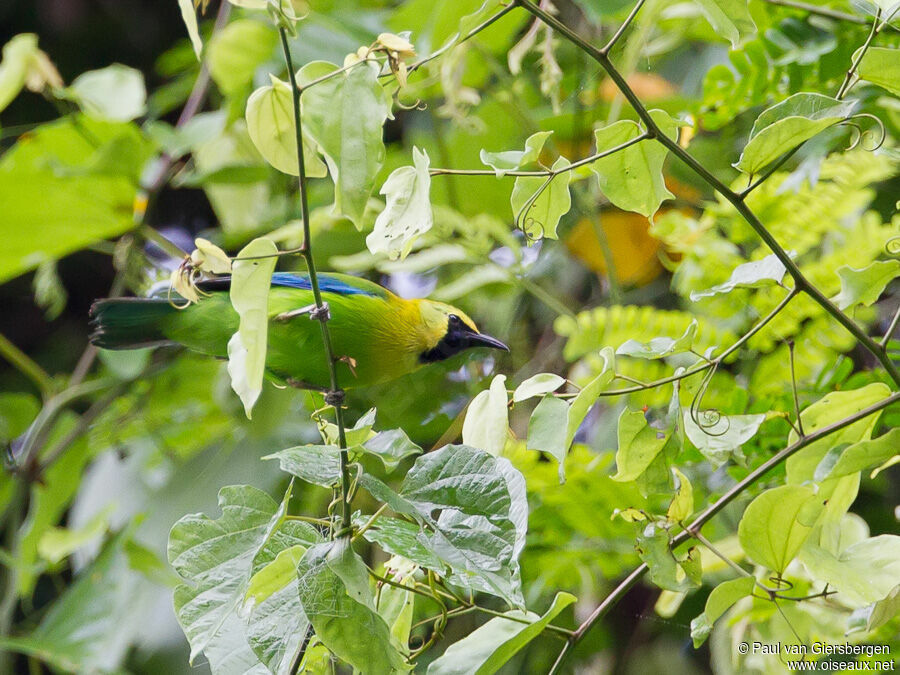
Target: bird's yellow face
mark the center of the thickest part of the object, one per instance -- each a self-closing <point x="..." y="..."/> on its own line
<point x="448" y="331"/>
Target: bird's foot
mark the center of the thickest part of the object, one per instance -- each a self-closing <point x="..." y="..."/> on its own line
<point x="335" y="397"/>
<point x="315" y="313"/>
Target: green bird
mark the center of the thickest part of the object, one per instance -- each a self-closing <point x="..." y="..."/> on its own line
<point x="376" y="335"/>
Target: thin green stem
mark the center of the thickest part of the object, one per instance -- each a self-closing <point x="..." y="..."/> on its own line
<point x="615" y="38"/>
<point x="848" y="78"/>
<point x="543" y="173"/>
<point x="820" y="11"/>
<point x="889" y="333"/>
<point x="800" y="281"/>
<point x="544" y="296"/>
<point x="27" y="366"/>
<point x="335" y="395"/>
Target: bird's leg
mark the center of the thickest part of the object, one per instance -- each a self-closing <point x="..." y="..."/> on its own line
<point x="315" y="313"/>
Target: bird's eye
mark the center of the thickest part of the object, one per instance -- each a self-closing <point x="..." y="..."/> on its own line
<point x="454" y="320"/>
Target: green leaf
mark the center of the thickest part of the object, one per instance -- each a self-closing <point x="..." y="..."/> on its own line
<point x="57" y="543"/>
<point x="270" y="124"/>
<point x="587" y="397"/>
<point x="682" y="504"/>
<point x="189" y="16"/>
<point x="345" y="116"/>
<point x="485" y="650"/>
<point x="864" y="286"/>
<point x="391" y="447"/>
<point x="487" y="420"/>
<point x="833" y="407"/>
<point x="473" y="491"/>
<point x="547" y="430"/>
<point x="538" y="213"/>
<point x="639" y="444"/>
<point x="776" y="523"/>
<point x="89" y="628"/>
<point x="660" y="347"/>
<point x="510" y="160"/>
<point x="453" y="494"/>
<point x="720" y="600"/>
<point x="877" y="614"/>
<point x="632" y="178"/>
<point x="396" y="605"/>
<point x="341" y="621"/>
<point x="880" y="66"/>
<point x="115" y="93"/>
<point x="718" y="436"/>
<point x="538" y="385"/>
<point x="316" y="464"/>
<point x="249" y="292"/>
<point x="847" y="459"/>
<point x="766" y="272"/>
<point x="57" y="197"/>
<point x="863" y="573"/>
<point x="276" y="623"/>
<point x="729" y="18"/>
<point x="789" y="123"/>
<point x="17" y="53"/>
<point x="236" y="51"/>
<point x="666" y="571"/>
<point x="214" y="557"/>
<point x="407" y="212"/>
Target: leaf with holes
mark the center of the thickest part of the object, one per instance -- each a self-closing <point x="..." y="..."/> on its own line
<point x="407" y="212"/>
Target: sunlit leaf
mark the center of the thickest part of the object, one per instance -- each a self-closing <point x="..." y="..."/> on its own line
<point x="407" y="212"/>
<point x="316" y="464"/>
<point x="270" y="123"/>
<point x="863" y="573"/>
<point x="789" y="123"/>
<point x="510" y="160"/>
<point x="538" y="213"/>
<point x="14" y="66"/>
<point x="249" y="291"/>
<point x="538" y="385"/>
<point x="488" y="648"/>
<point x="776" y="523"/>
<point x="114" y="93"/>
<point x="487" y="420"/>
<point x="729" y="18"/>
<point x="236" y="51"/>
<point x="720" y="600"/>
<point x="587" y="397"/>
<point x="718" y="436"/>
<point x="766" y="272"/>
<point x="880" y="66"/>
<point x="661" y="347"/>
<point x="865" y="286"/>
<point x="189" y="16"/>
<point x="844" y="459"/>
<point x="632" y="178"/>
<point x="833" y="407"/>
<point x="682" y="504"/>
<point x="877" y="614"/>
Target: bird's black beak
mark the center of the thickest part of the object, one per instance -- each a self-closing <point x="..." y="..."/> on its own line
<point x="482" y="340"/>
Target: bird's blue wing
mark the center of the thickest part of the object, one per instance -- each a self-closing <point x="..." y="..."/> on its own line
<point x="340" y="284"/>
